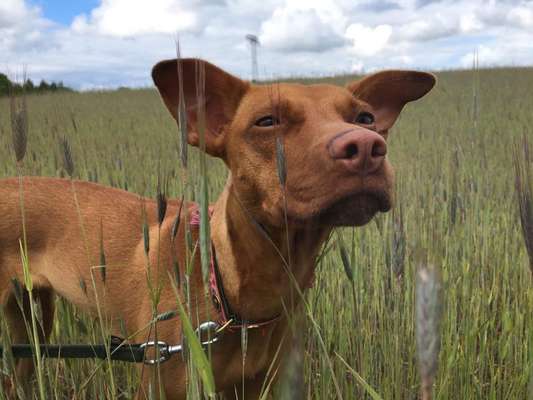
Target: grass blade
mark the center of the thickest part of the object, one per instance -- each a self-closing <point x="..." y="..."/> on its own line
<point x="198" y="356"/>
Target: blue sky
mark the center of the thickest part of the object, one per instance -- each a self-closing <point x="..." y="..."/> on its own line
<point x="64" y="11"/>
<point x="92" y="44"/>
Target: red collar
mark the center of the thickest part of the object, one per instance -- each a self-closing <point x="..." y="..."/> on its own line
<point x="227" y="318"/>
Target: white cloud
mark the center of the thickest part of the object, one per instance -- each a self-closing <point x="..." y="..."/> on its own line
<point x="470" y="23"/>
<point x="508" y="50"/>
<point x="304" y="25"/>
<point x="129" y="18"/>
<point x="21" y="26"/>
<point x="441" y="24"/>
<point x="425" y="30"/>
<point x="366" y="41"/>
<point x="485" y="55"/>
<point x="12" y="11"/>
<point x="357" y="67"/>
<point x="119" y="40"/>
<point x="523" y="16"/>
<point x="298" y="30"/>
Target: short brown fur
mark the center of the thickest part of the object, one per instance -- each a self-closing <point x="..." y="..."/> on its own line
<point x="325" y="187"/>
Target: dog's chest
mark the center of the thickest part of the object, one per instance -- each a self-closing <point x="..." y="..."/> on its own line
<point x="242" y="353"/>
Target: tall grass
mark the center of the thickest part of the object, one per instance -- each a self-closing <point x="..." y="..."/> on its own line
<point x="19" y="128"/>
<point x="457" y="206"/>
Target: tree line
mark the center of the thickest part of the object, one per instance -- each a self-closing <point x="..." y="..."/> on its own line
<point x="8" y="87"/>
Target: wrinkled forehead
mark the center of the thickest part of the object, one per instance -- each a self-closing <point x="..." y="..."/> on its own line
<point x="295" y="98"/>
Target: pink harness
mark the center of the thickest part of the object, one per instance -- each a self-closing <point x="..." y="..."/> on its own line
<point x="227" y="319"/>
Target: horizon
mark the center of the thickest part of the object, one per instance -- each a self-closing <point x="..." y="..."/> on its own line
<point x="151" y="86"/>
<point x="295" y="77"/>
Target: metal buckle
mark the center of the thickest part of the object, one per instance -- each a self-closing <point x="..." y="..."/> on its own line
<point x="208" y="328"/>
<point x="163" y="349"/>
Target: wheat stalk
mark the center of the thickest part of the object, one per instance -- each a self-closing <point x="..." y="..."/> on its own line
<point x="428" y="315"/>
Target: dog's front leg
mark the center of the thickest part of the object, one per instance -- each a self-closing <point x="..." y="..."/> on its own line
<point x="249" y="389"/>
<point x="17" y="314"/>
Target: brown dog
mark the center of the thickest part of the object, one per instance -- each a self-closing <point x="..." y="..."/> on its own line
<point x="334" y="142"/>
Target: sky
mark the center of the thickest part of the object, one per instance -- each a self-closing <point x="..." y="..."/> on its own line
<point x="94" y="44"/>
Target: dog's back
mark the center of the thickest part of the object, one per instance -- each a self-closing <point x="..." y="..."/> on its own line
<point x="65" y="241"/>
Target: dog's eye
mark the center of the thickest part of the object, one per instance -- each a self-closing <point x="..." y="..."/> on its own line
<point x="267" y="121"/>
<point x="364" y="118"/>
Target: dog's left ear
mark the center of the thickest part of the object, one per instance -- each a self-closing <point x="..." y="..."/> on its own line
<point x="208" y="95"/>
<point x="388" y="91"/>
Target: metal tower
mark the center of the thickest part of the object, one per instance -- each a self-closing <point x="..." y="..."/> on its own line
<point x="254" y="42"/>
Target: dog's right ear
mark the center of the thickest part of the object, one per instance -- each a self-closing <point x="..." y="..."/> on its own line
<point x="388" y="92"/>
<point x="207" y="95"/>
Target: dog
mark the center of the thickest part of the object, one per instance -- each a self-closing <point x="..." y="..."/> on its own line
<point x="266" y="228"/>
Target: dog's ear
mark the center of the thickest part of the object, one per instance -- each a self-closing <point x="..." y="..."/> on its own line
<point x="388" y="91"/>
<point x="207" y="95"/>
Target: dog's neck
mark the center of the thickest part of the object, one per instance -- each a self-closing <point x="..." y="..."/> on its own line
<point x="254" y="260"/>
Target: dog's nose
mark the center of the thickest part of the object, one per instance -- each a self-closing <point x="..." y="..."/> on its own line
<point x="362" y="152"/>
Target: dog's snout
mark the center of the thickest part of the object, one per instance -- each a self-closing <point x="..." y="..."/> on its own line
<point x="361" y="152"/>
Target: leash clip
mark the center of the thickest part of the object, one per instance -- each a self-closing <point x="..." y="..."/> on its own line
<point x="207" y="330"/>
<point x="210" y="330"/>
<point x="161" y="347"/>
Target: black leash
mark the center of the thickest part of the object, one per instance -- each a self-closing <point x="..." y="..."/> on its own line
<point x="118" y="349"/>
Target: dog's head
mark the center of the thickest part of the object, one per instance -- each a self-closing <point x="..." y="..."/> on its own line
<point x="331" y="139"/>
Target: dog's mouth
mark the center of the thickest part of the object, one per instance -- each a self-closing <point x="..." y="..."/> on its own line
<point x="355" y="210"/>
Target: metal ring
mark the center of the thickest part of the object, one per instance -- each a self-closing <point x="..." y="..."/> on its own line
<point x="207" y="328"/>
<point x="162" y="347"/>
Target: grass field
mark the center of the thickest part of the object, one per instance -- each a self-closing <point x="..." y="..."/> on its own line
<point x="457" y="209"/>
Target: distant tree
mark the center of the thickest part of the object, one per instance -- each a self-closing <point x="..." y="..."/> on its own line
<point x="16" y="88"/>
<point x="43" y="86"/>
<point x="29" y="86"/>
<point x="8" y="87"/>
<point x="5" y="84"/>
